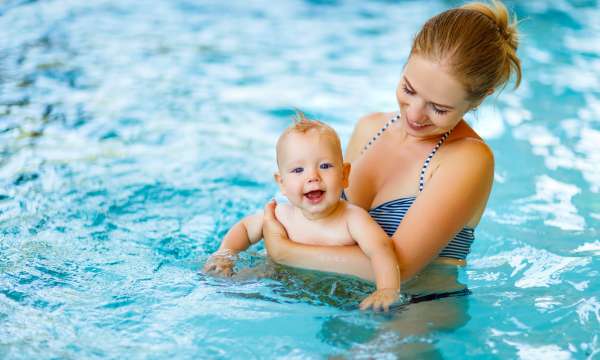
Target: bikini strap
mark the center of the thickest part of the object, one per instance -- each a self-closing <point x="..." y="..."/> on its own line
<point x="380" y="132"/>
<point x="428" y="160"/>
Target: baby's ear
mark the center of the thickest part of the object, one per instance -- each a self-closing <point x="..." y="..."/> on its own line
<point x="345" y="174"/>
<point x="278" y="180"/>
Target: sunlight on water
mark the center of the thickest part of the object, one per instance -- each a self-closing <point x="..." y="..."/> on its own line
<point x="133" y="136"/>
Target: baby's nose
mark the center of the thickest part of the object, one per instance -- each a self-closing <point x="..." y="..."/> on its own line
<point x="314" y="177"/>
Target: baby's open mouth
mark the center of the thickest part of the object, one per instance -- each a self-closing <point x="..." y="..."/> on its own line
<point x="315" y="195"/>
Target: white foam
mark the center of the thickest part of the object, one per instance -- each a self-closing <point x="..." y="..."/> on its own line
<point x="587" y="307"/>
<point x="546" y="303"/>
<point x="487" y="122"/>
<point x="539" y="268"/>
<point x="593" y="247"/>
<point x="515" y="116"/>
<point x="527" y="351"/>
<point x="552" y="202"/>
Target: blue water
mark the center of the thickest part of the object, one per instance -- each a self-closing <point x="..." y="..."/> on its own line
<point x="132" y="135"/>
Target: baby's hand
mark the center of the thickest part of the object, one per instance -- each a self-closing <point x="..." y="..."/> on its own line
<point x="380" y="299"/>
<point x="220" y="263"/>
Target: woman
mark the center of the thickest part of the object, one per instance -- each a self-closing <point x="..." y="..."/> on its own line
<point x="423" y="173"/>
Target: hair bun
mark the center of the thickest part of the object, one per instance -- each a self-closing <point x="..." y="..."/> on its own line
<point x="482" y="40"/>
<point x="500" y="17"/>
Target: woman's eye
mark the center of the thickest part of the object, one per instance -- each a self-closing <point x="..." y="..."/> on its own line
<point x="407" y="90"/>
<point x="297" y="170"/>
<point x="326" y="166"/>
<point x="439" y="111"/>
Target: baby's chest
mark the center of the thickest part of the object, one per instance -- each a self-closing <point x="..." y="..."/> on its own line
<point x="330" y="234"/>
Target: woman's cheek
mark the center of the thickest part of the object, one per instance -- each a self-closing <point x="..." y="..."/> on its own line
<point x="401" y="98"/>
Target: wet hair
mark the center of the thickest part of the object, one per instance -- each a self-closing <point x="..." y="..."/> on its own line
<point x="477" y="42"/>
<point x="303" y="125"/>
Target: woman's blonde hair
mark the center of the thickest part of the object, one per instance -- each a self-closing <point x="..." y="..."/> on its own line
<point x="478" y="42"/>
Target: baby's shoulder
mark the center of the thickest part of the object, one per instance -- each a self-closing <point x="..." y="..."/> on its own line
<point x="352" y="212"/>
<point x="283" y="212"/>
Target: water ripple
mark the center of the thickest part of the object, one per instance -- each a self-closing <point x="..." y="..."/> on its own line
<point x="125" y="157"/>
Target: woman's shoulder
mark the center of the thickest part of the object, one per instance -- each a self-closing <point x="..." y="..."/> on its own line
<point x="467" y="144"/>
<point x="364" y="129"/>
<point x="469" y="153"/>
<point x="372" y="122"/>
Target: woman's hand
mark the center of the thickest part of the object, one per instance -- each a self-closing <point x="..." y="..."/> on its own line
<point x="274" y="233"/>
<point x="380" y="300"/>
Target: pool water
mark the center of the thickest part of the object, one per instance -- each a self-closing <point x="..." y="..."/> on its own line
<point x="132" y="136"/>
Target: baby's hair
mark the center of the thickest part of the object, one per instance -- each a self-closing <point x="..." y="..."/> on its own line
<point x="302" y="125"/>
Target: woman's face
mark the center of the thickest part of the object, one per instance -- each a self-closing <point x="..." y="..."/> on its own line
<point x="431" y="100"/>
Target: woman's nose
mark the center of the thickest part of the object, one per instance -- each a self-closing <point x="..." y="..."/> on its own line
<point x="416" y="111"/>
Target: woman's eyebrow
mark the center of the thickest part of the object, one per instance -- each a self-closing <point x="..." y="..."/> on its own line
<point x="431" y="102"/>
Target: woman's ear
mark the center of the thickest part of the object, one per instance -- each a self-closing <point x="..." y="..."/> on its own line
<point x="345" y="174"/>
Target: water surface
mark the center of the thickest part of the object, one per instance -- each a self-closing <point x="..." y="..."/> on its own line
<point x="132" y="136"/>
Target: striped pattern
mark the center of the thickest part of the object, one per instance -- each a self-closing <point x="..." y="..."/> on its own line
<point x="428" y="160"/>
<point x="389" y="215"/>
<point x="380" y="132"/>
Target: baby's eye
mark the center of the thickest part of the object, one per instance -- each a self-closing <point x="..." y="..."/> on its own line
<point x="326" y="166"/>
<point x="297" y="170"/>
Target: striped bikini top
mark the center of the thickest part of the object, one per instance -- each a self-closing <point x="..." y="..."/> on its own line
<point x="389" y="214"/>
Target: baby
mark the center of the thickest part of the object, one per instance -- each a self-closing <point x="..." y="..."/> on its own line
<point x="312" y="176"/>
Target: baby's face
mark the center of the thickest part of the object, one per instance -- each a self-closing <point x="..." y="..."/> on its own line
<point x="311" y="172"/>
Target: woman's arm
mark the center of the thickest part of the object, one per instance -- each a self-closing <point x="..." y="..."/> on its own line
<point x="459" y="187"/>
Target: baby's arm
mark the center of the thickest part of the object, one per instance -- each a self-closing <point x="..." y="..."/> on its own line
<point x="375" y="243"/>
<point x="243" y="234"/>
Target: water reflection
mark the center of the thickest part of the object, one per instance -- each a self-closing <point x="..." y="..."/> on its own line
<point x="125" y="156"/>
<point x="432" y="304"/>
<point x="409" y="331"/>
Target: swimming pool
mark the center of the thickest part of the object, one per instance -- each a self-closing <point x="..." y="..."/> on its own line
<point x="133" y="136"/>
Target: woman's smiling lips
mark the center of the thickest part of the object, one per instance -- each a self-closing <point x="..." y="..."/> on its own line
<point x="416" y="126"/>
<point x="315" y="196"/>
